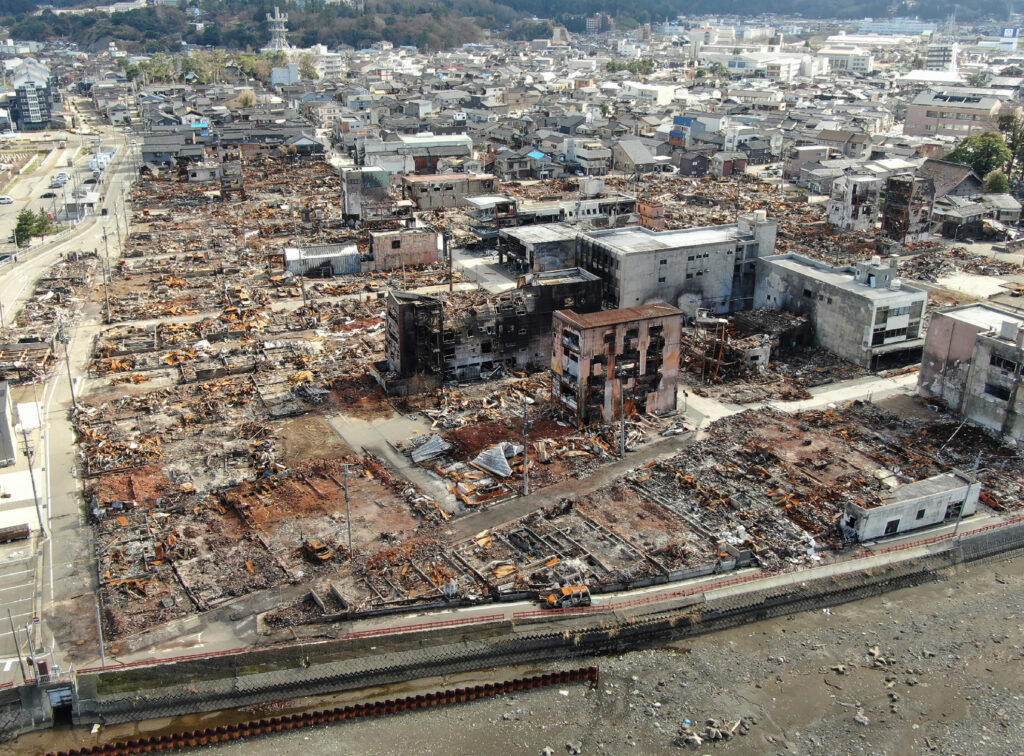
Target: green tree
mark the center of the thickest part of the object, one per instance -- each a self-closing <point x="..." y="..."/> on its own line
<point x="977" y="80"/>
<point x="307" y="66"/>
<point x="717" y="69"/>
<point x="24" y="227"/>
<point x="1011" y="126"/>
<point x="996" y="183"/>
<point x="983" y="152"/>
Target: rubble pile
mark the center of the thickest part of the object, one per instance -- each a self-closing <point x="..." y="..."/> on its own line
<point x="939" y="261"/>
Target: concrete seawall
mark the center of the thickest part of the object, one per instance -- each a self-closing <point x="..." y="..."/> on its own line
<point x="243" y="679"/>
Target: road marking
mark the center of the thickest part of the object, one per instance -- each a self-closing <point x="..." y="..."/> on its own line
<point x="12" y="574"/>
<point x="15" y="587"/>
<point x="8" y="663"/>
<point x="16" y="601"/>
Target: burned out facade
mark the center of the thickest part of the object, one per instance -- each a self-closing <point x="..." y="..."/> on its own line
<point x="615" y="361"/>
<point x="907" y="213"/>
<point x="430" y="340"/>
<point x="972" y="361"/>
<point x="407" y="246"/>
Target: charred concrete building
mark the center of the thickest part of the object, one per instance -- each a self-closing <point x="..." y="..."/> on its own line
<point x="407" y="246"/>
<point x="429" y="340"/>
<point x="710" y="268"/>
<point x="608" y="361"/>
<point x="855" y="202"/>
<point x="907" y="214"/>
<point x="973" y="358"/>
<point x="366" y="196"/>
<point x="863" y="314"/>
<point x="436" y="191"/>
<point x="547" y="246"/>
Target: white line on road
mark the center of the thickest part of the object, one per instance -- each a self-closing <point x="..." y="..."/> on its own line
<point x="15" y="587"/>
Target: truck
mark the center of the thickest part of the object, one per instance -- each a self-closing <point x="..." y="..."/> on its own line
<point x="566" y="597"/>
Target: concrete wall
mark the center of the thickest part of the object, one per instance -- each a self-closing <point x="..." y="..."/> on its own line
<point x="994" y="399"/>
<point x="948" y="350"/>
<point x="412" y="246"/>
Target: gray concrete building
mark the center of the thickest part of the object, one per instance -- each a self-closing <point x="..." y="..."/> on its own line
<point x="545" y="246"/>
<point x="863" y="314"/>
<point x="941" y="498"/>
<point x="972" y="361"/>
<point x="708" y="268"/>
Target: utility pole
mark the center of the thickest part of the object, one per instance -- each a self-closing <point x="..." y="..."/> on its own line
<point x="2" y="315"/>
<point x="32" y="476"/>
<point x="974" y="478"/>
<point x="302" y="286"/>
<point x="99" y="631"/>
<point x="447" y="236"/>
<point x="526" y="451"/>
<point x="348" y="512"/>
<point x="622" y="417"/>
<point x="65" y="337"/>
<point x="14" y="634"/>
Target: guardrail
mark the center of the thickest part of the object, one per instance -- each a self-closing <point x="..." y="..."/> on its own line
<point x="581" y="611"/>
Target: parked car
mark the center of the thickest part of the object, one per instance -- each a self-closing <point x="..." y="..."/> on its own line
<point x="6" y="200"/>
<point x="47" y="195"/>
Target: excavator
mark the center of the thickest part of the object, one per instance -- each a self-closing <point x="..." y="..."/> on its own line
<point x="566" y="597"/>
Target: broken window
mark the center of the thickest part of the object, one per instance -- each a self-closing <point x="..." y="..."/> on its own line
<point x="396" y="244"/>
<point x="661" y="279"/>
<point x="1002" y="363"/>
<point x="920" y="514"/>
<point x="807" y="293"/>
<point x="999" y="392"/>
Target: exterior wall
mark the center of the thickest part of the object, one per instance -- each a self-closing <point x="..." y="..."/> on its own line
<point x="8" y="455"/>
<point x="535" y="257"/>
<point x="994" y="399"/>
<point x="720" y="273"/>
<point x="844" y="320"/>
<point x="915" y="512"/>
<point x="907" y="213"/>
<point x="854" y="205"/>
<point x="948" y="351"/>
<point x="326" y="259"/>
<point x="414" y="246"/>
<point x="587" y="362"/>
<point x="434" y="192"/>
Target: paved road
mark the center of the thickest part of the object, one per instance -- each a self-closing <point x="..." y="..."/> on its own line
<point x="56" y="568"/>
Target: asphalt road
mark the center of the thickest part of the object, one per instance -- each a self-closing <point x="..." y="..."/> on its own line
<point x="50" y="571"/>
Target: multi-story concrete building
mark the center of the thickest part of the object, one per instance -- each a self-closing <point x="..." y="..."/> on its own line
<point x="847" y="58"/>
<point x="592" y="156"/>
<point x="618" y="361"/>
<point x="435" y="191"/>
<point x="855" y="203"/>
<point x="863" y="314"/>
<point x="956" y="113"/>
<point x="428" y="341"/>
<point x="972" y="361"/>
<point x="907" y="212"/>
<point x="33" y="95"/>
<point x="708" y="268"/>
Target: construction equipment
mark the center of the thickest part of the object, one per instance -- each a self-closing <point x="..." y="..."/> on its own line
<point x="317" y="551"/>
<point x="567" y="596"/>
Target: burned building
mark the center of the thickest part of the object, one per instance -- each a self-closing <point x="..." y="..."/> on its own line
<point x="972" y="361"/>
<point x="923" y="503"/>
<point x="708" y="268"/>
<point x="437" y="191"/>
<point x="864" y="314"/>
<point x="616" y="361"/>
<point x="855" y="203"/>
<point x="547" y="246"/>
<point x="430" y="340"/>
<point x="366" y="196"/>
<point x="907" y="213"/>
<point x="407" y="246"/>
<point x="593" y="208"/>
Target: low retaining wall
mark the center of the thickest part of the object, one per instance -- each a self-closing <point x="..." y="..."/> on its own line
<point x="236" y="680"/>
